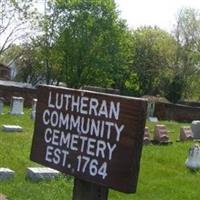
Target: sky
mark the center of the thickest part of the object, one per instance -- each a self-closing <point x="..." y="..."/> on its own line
<point x="161" y="13"/>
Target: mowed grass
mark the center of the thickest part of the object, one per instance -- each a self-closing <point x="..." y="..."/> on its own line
<point x="163" y="175"/>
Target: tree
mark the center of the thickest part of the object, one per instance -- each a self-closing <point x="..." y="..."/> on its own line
<point x="153" y="58"/>
<point x="187" y="35"/>
<point x="30" y="64"/>
<point x="14" y="19"/>
<point x="93" y="43"/>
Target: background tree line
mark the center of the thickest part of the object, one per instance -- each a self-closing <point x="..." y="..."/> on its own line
<point x="85" y="42"/>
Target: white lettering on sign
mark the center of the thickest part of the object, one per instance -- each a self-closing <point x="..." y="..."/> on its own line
<point x="85" y="105"/>
<point x="84" y="125"/>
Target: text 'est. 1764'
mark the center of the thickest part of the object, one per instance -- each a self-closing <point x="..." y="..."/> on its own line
<point x="93" y="136"/>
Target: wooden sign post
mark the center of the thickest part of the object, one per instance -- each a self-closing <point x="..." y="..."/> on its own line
<point x="95" y="137"/>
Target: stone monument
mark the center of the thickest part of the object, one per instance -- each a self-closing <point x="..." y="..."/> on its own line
<point x="17" y="105"/>
<point x="33" y="112"/>
<point x="161" y="134"/>
<point x="146" y="139"/>
<point x="185" y="133"/>
<point x="1" y="104"/>
<point x="195" y="126"/>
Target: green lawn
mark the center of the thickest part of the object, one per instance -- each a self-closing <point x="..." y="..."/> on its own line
<point x="162" y="174"/>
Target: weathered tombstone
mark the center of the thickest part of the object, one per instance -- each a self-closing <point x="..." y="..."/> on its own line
<point x="185" y="133"/>
<point x="41" y="173"/>
<point x="146" y="139"/>
<point x="92" y="136"/>
<point x="1" y="105"/>
<point x="193" y="160"/>
<point x="3" y="197"/>
<point x="195" y="126"/>
<point x="153" y="119"/>
<point x="33" y="111"/>
<point x="6" y="173"/>
<point x="150" y="108"/>
<point x="12" y="128"/>
<point x="17" y="106"/>
<point x="161" y="134"/>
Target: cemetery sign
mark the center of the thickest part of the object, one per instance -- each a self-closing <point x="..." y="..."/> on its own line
<point x="93" y="136"/>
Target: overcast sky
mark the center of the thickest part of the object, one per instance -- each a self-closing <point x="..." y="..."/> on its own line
<point x="153" y="12"/>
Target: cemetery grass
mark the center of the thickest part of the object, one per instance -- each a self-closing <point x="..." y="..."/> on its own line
<point x="163" y="175"/>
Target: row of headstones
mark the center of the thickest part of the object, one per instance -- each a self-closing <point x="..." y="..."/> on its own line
<point x="17" y="106"/>
<point x="161" y="135"/>
<point x="33" y="173"/>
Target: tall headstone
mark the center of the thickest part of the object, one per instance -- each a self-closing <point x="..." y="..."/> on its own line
<point x="17" y="105"/>
<point x="33" y="111"/>
<point x="1" y="104"/>
<point x="161" y="134"/>
<point x="195" y="126"/>
<point x="185" y="133"/>
<point x="150" y="108"/>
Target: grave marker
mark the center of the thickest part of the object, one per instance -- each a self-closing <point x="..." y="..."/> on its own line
<point x="6" y="173"/>
<point x="185" y="133"/>
<point x="17" y="106"/>
<point x="146" y="139"/>
<point x="12" y="128"/>
<point x="90" y="135"/>
<point x="3" y="197"/>
<point x="33" y="111"/>
<point x="1" y="105"/>
<point x="41" y="173"/>
<point x="195" y="126"/>
<point x="161" y="134"/>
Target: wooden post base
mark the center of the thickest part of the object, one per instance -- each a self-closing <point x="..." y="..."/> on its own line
<point x="88" y="191"/>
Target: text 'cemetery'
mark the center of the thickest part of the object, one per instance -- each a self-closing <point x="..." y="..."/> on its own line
<point x="85" y="134"/>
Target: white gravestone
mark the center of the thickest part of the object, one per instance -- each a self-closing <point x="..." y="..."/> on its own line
<point x="33" y="112"/>
<point x="1" y="105"/>
<point x="195" y="126"/>
<point x="150" y="108"/>
<point x="41" y="173"/>
<point x="193" y="160"/>
<point x="12" y="128"/>
<point x="17" y="105"/>
<point x="6" y="173"/>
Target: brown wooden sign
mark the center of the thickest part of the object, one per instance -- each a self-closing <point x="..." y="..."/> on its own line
<point x="93" y="136"/>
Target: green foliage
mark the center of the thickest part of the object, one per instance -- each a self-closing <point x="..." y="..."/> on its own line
<point x="175" y="89"/>
<point x="187" y="34"/>
<point x="94" y="44"/>
<point x="153" y="56"/>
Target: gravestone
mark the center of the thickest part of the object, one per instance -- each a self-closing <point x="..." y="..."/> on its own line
<point x="6" y="173"/>
<point x="12" y="128"/>
<point x="146" y="139"/>
<point x="195" y="126"/>
<point x="1" y="105"/>
<point x="17" y="105"/>
<point x="33" y="111"/>
<point x="3" y="197"/>
<point x="153" y="119"/>
<point x="185" y="133"/>
<point x="41" y="173"/>
<point x="161" y="134"/>
<point x="193" y="160"/>
<point x="150" y="108"/>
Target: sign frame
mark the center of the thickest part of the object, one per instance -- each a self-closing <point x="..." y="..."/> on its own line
<point x="115" y="166"/>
